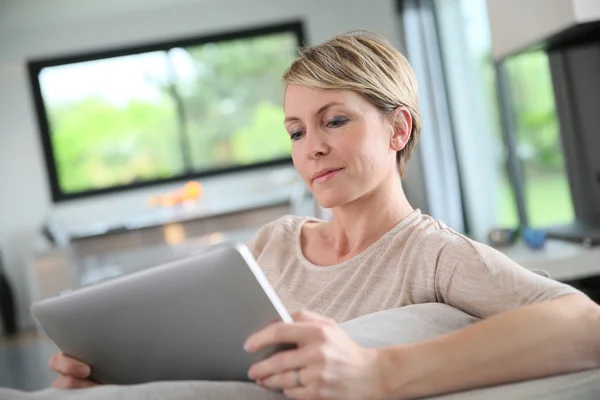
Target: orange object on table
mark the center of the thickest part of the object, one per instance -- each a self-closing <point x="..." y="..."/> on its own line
<point x="190" y="191"/>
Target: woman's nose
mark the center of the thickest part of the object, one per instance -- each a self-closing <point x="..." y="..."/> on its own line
<point x="316" y="144"/>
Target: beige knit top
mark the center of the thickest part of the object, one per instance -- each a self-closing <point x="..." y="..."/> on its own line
<point x="420" y="260"/>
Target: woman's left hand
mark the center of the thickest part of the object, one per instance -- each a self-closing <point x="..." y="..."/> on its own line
<point x="325" y="364"/>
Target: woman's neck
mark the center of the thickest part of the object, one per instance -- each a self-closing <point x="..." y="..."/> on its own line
<point x="357" y="225"/>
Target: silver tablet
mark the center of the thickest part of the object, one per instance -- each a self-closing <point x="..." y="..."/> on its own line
<point x="185" y="320"/>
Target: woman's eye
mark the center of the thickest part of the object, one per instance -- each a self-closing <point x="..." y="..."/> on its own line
<point x="296" y="135"/>
<point x="337" y="122"/>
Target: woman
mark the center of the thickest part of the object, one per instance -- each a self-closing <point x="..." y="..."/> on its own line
<point x="352" y="115"/>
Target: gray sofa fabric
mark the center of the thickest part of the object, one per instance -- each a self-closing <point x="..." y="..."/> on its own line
<point x="397" y="326"/>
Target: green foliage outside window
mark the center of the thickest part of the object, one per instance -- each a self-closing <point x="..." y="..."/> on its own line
<point x="216" y="105"/>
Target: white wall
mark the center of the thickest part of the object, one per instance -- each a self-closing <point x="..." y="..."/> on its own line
<point x="38" y="28"/>
<point x="516" y="24"/>
<point x="519" y="24"/>
<point x="587" y="10"/>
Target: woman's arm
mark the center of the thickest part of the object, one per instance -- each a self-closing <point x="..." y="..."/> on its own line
<point x="553" y="337"/>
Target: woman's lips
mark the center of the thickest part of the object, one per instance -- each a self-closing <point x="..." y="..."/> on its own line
<point x="327" y="176"/>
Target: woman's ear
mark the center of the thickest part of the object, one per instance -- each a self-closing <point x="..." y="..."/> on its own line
<point x="401" y="128"/>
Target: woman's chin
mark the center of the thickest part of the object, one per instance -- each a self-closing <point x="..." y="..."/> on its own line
<point x="331" y="201"/>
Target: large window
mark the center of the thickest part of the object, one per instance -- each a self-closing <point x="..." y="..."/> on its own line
<point x="471" y="77"/>
<point x="139" y="116"/>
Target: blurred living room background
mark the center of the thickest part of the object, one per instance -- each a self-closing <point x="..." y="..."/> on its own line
<point x="136" y="132"/>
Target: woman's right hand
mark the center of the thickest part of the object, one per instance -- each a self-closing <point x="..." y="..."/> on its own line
<point x="73" y="373"/>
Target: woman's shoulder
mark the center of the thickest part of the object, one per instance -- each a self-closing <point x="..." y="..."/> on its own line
<point x="429" y="236"/>
<point x="426" y="230"/>
<point x="452" y="247"/>
<point x="285" y="224"/>
<point x="283" y="231"/>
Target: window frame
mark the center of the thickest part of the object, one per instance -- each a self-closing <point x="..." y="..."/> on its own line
<point x="35" y="67"/>
<point x="437" y="146"/>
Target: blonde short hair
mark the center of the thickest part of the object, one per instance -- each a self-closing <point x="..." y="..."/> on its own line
<point x="368" y="64"/>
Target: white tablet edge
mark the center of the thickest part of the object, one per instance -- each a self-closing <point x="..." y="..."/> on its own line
<point x="263" y="282"/>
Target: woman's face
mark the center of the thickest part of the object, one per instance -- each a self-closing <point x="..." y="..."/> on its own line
<point x="342" y="145"/>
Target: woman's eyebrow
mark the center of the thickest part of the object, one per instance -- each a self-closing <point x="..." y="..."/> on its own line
<point x="319" y="111"/>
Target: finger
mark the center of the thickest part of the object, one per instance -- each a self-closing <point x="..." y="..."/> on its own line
<point x="68" y="382"/>
<point x="302" y="392"/>
<point x="305" y="315"/>
<point x="285" y="360"/>
<point x="278" y="333"/>
<point x="283" y="380"/>
<point x="68" y="366"/>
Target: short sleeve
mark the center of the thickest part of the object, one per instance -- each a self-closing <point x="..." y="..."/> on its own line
<point x="483" y="282"/>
